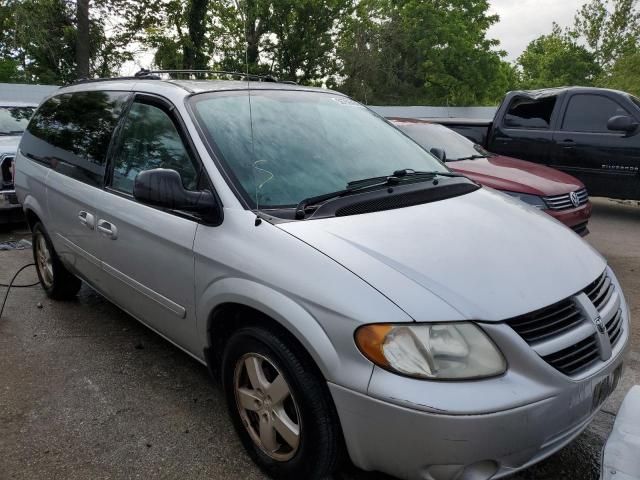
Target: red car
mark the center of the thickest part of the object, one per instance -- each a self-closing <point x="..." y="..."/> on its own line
<point x="560" y="195"/>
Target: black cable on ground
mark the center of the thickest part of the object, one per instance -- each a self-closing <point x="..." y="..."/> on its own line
<point x="20" y="286"/>
<point x="6" y="295"/>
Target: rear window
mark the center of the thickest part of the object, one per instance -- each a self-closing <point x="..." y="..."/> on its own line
<point x="530" y="113"/>
<point x="590" y="113"/>
<point x="71" y="133"/>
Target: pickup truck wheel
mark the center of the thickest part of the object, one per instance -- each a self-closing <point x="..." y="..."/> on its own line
<point x="56" y="280"/>
<point x="281" y="410"/>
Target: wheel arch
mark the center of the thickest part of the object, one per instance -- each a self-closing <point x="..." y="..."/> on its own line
<point x="232" y="303"/>
<point x="33" y="211"/>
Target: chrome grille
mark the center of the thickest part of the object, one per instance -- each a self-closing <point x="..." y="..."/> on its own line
<point x="600" y="291"/>
<point x="551" y="330"/>
<point x="572" y="359"/>
<point x="563" y="202"/>
<point x="614" y="328"/>
<point x="548" y="321"/>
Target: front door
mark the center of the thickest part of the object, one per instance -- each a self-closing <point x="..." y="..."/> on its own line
<point x="147" y="252"/>
<point x="607" y="162"/>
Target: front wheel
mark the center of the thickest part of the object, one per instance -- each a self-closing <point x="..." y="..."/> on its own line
<point x="57" y="281"/>
<point x="280" y="407"/>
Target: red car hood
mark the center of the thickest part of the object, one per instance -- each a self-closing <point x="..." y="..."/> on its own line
<point x="505" y="173"/>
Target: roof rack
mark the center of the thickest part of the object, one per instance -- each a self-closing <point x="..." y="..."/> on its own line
<point x="156" y="75"/>
<point x="145" y="74"/>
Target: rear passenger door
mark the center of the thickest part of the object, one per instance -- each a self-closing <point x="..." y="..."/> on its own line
<point x="606" y="161"/>
<point x="71" y="134"/>
<point x="525" y="129"/>
<point x="147" y="252"/>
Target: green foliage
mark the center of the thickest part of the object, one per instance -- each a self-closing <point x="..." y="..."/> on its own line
<point x="600" y="49"/>
<point x="555" y="60"/>
<point x="38" y="41"/>
<point x="610" y="29"/>
<point x="625" y="74"/>
<point x="380" y="51"/>
<point x="420" y="52"/>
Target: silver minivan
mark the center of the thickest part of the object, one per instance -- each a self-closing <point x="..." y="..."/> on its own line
<point x="353" y="296"/>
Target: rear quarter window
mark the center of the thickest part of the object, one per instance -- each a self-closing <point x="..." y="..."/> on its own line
<point x="71" y="133"/>
<point x="527" y="112"/>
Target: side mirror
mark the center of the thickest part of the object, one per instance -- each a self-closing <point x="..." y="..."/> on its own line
<point x="162" y="187"/>
<point x="439" y="153"/>
<point x="622" y="123"/>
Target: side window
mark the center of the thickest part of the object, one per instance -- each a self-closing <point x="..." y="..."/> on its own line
<point x="149" y="139"/>
<point x="71" y="133"/>
<point x="530" y="113"/>
<point x="590" y="113"/>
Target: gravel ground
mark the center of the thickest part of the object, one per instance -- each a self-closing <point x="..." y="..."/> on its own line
<point x="87" y="392"/>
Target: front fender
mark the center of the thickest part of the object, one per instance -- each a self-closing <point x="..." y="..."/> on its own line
<point x="280" y="308"/>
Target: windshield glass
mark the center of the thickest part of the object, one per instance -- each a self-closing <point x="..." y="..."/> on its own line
<point x="304" y="144"/>
<point x="431" y="135"/>
<point x="13" y="120"/>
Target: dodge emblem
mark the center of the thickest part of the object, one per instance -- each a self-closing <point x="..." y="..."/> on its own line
<point x="599" y="324"/>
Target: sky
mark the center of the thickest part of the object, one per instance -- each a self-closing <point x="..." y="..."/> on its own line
<point x="524" y="20"/>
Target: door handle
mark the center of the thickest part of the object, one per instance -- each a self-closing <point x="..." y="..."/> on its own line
<point x="108" y="229"/>
<point x="87" y="219"/>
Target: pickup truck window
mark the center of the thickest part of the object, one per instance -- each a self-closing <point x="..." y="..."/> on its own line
<point x="590" y="113"/>
<point x="527" y="112"/>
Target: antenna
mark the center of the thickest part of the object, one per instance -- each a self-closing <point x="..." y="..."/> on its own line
<point x="253" y="151"/>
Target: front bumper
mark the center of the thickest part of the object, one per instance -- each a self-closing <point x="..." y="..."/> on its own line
<point x="10" y="208"/>
<point x="575" y="218"/>
<point x="412" y="443"/>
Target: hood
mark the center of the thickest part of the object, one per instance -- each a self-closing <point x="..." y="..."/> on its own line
<point x="9" y="144"/>
<point x="505" y="173"/>
<point x="488" y="256"/>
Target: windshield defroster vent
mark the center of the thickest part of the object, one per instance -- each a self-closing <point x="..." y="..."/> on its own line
<point x="401" y="200"/>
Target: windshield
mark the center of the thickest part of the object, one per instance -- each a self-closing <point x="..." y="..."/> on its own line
<point x="305" y="144"/>
<point x="431" y="135"/>
<point x="13" y="120"/>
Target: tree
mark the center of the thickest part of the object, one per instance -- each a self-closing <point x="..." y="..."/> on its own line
<point x="82" y="39"/>
<point x="555" y="60"/>
<point x="609" y="28"/>
<point x="625" y="74"/>
<point x="40" y="39"/>
<point x="420" y="51"/>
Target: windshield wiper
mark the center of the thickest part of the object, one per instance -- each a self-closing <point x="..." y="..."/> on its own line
<point x="470" y="157"/>
<point x="400" y="175"/>
<point x="357" y="185"/>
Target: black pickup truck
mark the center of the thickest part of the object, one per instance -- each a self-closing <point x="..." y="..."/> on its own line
<point x="590" y="133"/>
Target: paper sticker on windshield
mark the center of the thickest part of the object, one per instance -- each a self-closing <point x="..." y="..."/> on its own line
<point x="347" y="102"/>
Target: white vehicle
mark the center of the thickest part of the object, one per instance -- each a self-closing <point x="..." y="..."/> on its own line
<point x="350" y="292"/>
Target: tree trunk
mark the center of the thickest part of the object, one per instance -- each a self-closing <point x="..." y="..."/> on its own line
<point x="194" y="54"/>
<point x="82" y="39"/>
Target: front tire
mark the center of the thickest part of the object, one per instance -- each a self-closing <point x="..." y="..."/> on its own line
<point x="280" y="406"/>
<point x="58" y="282"/>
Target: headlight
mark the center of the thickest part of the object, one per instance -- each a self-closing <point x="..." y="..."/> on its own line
<point x="442" y="351"/>
<point x="532" y="200"/>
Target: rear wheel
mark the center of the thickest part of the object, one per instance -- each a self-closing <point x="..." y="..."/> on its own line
<point x="280" y="406"/>
<point x="56" y="280"/>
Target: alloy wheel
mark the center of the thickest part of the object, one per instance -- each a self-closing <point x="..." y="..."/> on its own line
<point x="267" y="407"/>
<point x="44" y="261"/>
